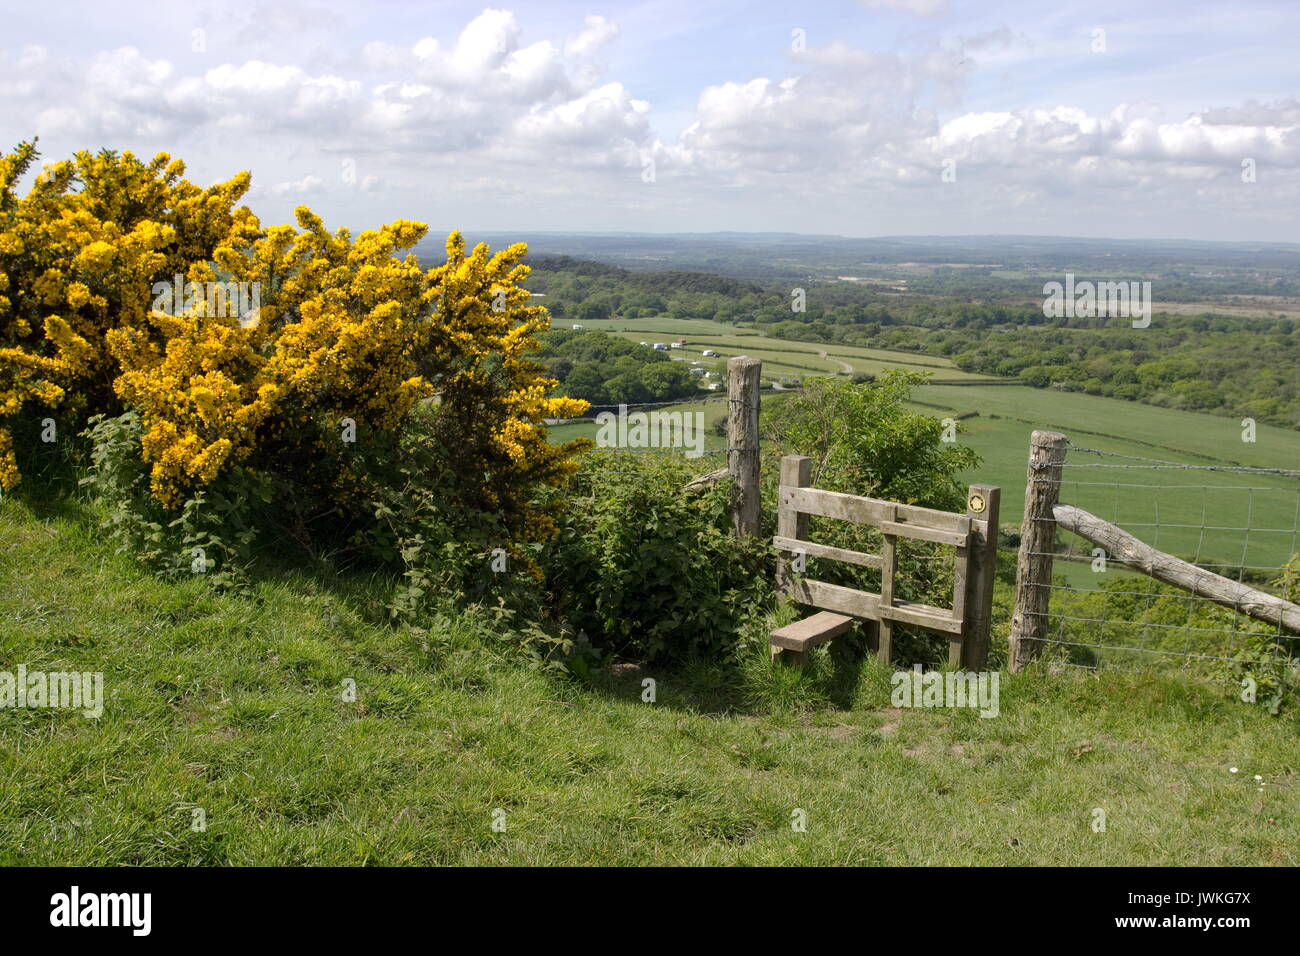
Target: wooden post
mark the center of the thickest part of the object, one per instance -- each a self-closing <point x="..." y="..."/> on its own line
<point x="1037" y="542"/>
<point x="743" y="377"/>
<point x="796" y="472"/>
<point x="888" y="568"/>
<point x="983" y="503"/>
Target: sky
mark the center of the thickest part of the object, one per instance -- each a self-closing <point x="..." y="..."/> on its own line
<point x="1164" y="119"/>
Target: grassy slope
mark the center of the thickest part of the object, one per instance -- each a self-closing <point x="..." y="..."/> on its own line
<point x="232" y="704"/>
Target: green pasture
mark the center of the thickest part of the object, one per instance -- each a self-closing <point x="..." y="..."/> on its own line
<point x="1215" y="517"/>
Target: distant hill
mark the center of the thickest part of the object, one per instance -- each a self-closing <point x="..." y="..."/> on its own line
<point x="663" y="282"/>
<point x="779" y="256"/>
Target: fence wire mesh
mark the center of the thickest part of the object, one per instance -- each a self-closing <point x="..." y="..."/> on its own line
<point x="1236" y="521"/>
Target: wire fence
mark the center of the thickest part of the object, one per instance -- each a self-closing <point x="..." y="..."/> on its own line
<point x="1239" y="522"/>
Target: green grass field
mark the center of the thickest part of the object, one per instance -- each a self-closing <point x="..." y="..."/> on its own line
<point x="781" y="357"/>
<point x="1260" y="511"/>
<point x="1252" y="519"/>
<point x="713" y="411"/>
<point x="232" y="705"/>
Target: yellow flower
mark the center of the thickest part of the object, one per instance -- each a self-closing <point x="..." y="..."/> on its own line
<point x="346" y="329"/>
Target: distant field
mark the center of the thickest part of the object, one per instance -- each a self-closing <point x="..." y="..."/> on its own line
<point x="1262" y="305"/>
<point x="1220" y="499"/>
<point x="1215" y="438"/>
<point x="781" y="358"/>
<point x="1227" y="502"/>
<point x="713" y="412"/>
<point x="1244" y="306"/>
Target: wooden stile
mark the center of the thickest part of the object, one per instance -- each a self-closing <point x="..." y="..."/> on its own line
<point x="969" y="533"/>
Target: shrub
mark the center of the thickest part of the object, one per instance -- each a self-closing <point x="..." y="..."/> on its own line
<point x="864" y="441"/>
<point x="78" y="257"/>
<point x="213" y="532"/>
<point x="350" y="339"/>
<point x="650" y="571"/>
<point x="303" y="401"/>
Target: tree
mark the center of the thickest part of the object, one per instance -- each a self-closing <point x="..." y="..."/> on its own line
<point x="862" y="440"/>
<point x="664" y="380"/>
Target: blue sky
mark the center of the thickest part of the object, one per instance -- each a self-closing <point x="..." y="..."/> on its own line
<point x="859" y="117"/>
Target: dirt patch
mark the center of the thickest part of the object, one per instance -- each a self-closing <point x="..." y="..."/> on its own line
<point x="839" y="731"/>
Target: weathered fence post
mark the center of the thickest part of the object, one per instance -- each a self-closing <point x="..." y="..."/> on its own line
<point x="983" y="503"/>
<point x="796" y="472"/>
<point x="884" y="636"/>
<point x="1037" y="542"/>
<point x="743" y="378"/>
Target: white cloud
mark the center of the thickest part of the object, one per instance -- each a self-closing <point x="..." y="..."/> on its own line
<point x="499" y="107"/>
<point x="924" y="8"/>
<point x="307" y="184"/>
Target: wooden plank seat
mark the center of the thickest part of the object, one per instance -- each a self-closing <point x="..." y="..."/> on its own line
<point x="794" y="641"/>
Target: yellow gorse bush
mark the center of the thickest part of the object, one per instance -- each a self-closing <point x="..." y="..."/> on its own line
<point x="78" y="256"/>
<point x="344" y="329"/>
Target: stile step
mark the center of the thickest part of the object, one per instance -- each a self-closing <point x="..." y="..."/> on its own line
<point x="811" y="631"/>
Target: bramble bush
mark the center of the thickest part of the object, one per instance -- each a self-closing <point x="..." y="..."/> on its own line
<point x="649" y="572"/>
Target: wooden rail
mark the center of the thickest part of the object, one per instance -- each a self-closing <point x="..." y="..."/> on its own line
<point x="1125" y="548"/>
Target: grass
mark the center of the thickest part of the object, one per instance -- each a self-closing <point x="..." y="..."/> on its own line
<point x="232" y="704"/>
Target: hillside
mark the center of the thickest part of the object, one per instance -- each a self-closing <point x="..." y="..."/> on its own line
<point x="231" y="705"/>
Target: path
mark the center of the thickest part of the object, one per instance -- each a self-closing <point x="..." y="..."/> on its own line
<point x="845" y="367"/>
